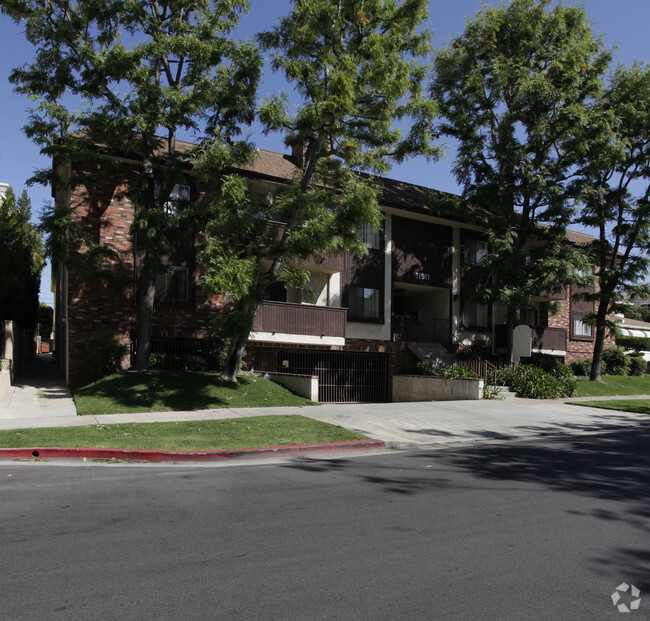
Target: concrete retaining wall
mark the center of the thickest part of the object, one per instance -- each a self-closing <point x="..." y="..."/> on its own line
<point x="303" y="385"/>
<point x="422" y="388"/>
<point x="5" y="377"/>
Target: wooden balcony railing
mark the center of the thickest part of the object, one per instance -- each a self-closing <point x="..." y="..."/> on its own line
<point x="542" y="338"/>
<point x="287" y="318"/>
<point x="549" y="338"/>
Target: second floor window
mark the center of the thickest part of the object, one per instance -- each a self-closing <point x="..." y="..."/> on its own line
<point x="364" y="303"/>
<point x="173" y="286"/>
<point x="369" y="237"/>
<point x="180" y="194"/>
<point x="474" y="251"/>
<point x="580" y="327"/>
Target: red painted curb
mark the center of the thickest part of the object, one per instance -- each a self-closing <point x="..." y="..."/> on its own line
<point x="164" y="456"/>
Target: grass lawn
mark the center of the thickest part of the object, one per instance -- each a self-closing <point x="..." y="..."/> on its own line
<point x="639" y="406"/>
<point x="203" y="435"/>
<point x="158" y="390"/>
<point x="613" y="385"/>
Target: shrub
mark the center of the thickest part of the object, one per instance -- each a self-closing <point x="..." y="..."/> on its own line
<point x="461" y="372"/>
<point x="538" y="384"/>
<point x="491" y="392"/>
<point x="101" y="355"/>
<point x="432" y="369"/>
<point x="637" y="366"/>
<point x="615" y="362"/>
<point x="580" y="368"/>
<point x="633" y="342"/>
<point x="546" y="362"/>
<point x="177" y="362"/>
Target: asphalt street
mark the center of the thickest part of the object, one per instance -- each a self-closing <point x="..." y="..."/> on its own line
<point x="516" y="530"/>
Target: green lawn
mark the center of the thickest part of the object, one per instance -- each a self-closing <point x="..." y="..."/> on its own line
<point x="204" y="435"/>
<point x="639" y="406"/>
<point x="613" y="385"/>
<point x="158" y="390"/>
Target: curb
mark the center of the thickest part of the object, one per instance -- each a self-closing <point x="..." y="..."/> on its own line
<point x="182" y="456"/>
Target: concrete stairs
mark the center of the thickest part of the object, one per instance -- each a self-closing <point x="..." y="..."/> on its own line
<point x="433" y="353"/>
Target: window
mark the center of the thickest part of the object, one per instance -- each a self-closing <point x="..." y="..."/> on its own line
<point x="173" y="286"/>
<point x="580" y="327"/>
<point x="364" y="303"/>
<point x="370" y="237"/>
<point x="179" y="194"/>
<point x="474" y="251"/>
<point x="475" y="315"/>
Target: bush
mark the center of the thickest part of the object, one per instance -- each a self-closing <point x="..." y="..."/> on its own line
<point x="581" y="368"/>
<point x="633" y="342"/>
<point x="432" y="369"/>
<point x="536" y="383"/>
<point x="637" y="366"/>
<point x="101" y="355"/>
<point x="615" y="362"/>
<point x="546" y="362"/>
<point x="461" y="372"/>
<point x="177" y="362"/>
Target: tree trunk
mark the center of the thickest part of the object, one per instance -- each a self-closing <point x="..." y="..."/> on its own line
<point x="145" y="320"/>
<point x="599" y="344"/>
<point x="238" y="346"/>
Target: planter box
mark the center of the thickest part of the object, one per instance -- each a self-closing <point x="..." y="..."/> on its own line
<point x="301" y="385"/>
<point x="422" y="388"/>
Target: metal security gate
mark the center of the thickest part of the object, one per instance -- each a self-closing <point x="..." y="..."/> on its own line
<point x="343" y="377"/>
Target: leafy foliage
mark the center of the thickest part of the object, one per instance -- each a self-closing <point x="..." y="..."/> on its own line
<point x="177" y="362"/>
<point x="637" y="366"/>
<point x="101" y="355"/>
<point x="356" y="72"/>
<point x="615" y="362"/>
<point x="513" y="91"/>
<point x="535" y="383"/>
<point x="633" y="342"/>
<point x="21" y="261"/>
<point x="109" y="78"/>
<point x="581" y="368"/>
<point x="614" y="183"/>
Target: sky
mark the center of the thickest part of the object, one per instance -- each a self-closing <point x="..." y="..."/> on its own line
<point x="621" y="23"/>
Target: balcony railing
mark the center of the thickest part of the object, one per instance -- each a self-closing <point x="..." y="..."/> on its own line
<point x="288" y="318"/>
<point x="542" y="338"/>
<point x="549" y="338"/>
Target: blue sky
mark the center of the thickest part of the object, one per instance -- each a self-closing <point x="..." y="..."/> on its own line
<point x="622" y="23"/>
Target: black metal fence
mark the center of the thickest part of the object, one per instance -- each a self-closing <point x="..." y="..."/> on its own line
<point x="343" y="377"/>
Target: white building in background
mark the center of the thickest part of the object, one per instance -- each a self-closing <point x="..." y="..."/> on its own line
<point x="3" y="189"/>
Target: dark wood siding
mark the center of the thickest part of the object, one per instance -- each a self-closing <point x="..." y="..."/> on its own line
<point x="421" y="252"/>
<point x="306" y="319"/>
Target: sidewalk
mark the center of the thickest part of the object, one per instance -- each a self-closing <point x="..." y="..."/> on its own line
<point x="47" y="403"/>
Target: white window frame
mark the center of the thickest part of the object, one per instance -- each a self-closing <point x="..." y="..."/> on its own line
<point x="180" y="194"/>
<point x="580" y="328"/>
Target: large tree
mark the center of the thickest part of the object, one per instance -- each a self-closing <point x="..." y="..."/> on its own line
<point x="513" y="90"/>
<point x="355" y="68"/>
<point x="129" y="75"/>
<point x="21" y="261"/>
<point x="615" y="187"/>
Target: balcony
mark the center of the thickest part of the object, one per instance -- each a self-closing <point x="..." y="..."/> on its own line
<point x="300" y="323"/>
<point x="549" y="339"/>
<point x="543" y="338"/>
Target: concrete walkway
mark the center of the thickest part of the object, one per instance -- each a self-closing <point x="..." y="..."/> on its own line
<point x="43" y="400"/>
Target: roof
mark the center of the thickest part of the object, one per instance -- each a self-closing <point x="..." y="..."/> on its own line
<point x="634" y="327"/>
<point x="397" y="194"/>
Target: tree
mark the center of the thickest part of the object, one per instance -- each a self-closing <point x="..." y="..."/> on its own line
<point x="354" y="65"/>
<point x="21" y="261"/>
<point x="127" y="77"/>
<point x="615" y="186"/>
<point x="513" y="89"/>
